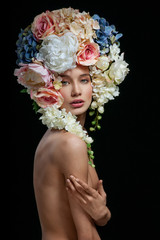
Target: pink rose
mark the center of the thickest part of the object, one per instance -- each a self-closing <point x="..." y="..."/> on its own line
<point x="43" y="25"/>
<point x="33" y="76"/>
<point x="46" y="97"/>
<point x="88" y="54"/>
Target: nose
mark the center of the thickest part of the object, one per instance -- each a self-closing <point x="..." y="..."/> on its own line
<point x="76" y="90"/>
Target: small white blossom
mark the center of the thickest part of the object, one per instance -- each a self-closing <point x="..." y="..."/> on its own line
<point x="60" y="119"/>
<point x="94" y="105"/>
<point x="114" y="52"/>
<point x="101" y="109"/>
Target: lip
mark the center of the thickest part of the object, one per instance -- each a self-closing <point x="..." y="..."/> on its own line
<point x="77" y="103"/>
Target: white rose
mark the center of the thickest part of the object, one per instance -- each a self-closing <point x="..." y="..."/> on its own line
<point x="103" y="63"/>
<point x="59" y="53"/>
<point x="118" y="70"/>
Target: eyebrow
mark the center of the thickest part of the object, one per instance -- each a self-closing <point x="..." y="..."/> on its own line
<point x="82" y="75"/>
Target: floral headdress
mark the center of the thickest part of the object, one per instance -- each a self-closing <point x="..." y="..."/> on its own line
<point x="55" y="42"/>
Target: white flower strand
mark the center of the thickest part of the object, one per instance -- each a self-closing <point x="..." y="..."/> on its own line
<point x="107" y="73"/>
<point x="60" y="119"/>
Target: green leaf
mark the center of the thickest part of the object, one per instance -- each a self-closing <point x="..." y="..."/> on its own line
<point x="24" y="90"/>
<point x="35" y="106"/>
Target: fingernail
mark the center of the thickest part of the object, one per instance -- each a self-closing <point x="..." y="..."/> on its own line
<point x="77" y="179"/>
<point x="68" y="180"/>
<point x="71" y="176"/>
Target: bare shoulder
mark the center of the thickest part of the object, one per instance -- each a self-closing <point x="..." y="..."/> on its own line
<point x="68" y="144"/>
<point x="71" y="153"/>
<point x="65" y="151"/>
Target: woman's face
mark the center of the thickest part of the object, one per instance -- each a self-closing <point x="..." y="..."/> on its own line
<point x="76" y="90"/>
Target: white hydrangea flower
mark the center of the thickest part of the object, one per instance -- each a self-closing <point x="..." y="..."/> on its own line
<point x="59" y="53"/>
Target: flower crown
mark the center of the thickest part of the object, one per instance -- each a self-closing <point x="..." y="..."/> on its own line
<point x="57" y="41"/>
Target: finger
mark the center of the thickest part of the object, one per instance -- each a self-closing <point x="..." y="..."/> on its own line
<point x="92" y="192"/>
<point x="69" y="185"/>
<point x="77" y="186"/>
<point x="101" y="189"/>
<point x="71" y="190"/>
<point x="80" y="199"/>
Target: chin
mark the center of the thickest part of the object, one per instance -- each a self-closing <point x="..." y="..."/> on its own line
<point x="78" y="111"/>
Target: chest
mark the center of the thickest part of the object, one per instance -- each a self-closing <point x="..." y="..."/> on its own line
<point x="92" y="177"/>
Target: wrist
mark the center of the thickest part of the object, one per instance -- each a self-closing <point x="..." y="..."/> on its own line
<point x="103" y="217"/>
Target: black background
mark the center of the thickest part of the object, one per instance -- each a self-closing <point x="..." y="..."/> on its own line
<point x="127" y="146"/>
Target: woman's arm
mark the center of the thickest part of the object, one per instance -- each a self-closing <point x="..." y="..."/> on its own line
<point x="92" y="201"/>
<point x="73" y="158"/>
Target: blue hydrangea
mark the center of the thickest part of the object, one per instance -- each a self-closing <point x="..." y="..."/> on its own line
<point x="27" y="46"/>
<point x="106" y="35"/>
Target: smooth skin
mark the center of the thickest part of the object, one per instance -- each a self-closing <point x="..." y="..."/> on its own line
<point x="91" y="200"/>
<point x="59" y="155"/>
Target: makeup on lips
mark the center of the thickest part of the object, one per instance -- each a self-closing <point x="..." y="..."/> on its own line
<point x="77" y="103"/>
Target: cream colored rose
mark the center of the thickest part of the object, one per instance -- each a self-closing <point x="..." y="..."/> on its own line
<point x="103" y="63"/>
<point x="118" y="70"/>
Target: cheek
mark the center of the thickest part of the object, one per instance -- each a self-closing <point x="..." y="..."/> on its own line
<point x="63" y="93"/>
<point x="89" y="92"/>
<point x="88" y="95"/>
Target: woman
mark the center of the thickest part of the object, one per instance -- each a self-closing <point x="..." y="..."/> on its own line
<point x="59" y="54"/>
<point x="61" y="154"/>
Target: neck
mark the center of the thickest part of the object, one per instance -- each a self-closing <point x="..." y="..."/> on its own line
<point x="81" y="118"/>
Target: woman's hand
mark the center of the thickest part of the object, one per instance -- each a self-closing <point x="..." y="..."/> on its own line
<point x="91" y="200"/>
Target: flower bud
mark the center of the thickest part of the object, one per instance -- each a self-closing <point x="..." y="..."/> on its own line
<point x="91" y="113"/>
<point x="99" y="117"/>
<point x="88" y="145"/>
<point x="99" y="127"/>
<point x="93" y="122"/>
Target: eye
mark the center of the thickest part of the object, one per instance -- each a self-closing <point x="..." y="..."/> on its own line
<point x="65" y="83"/>
<point x="84" y="80"/>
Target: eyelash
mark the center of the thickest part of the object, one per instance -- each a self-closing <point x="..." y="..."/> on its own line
<point x="85" y="80"/>
<point x="64" y="83"/>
